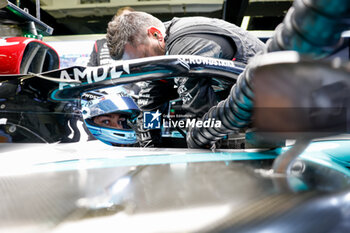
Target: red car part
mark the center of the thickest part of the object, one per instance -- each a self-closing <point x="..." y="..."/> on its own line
<point x="20" y="55"/>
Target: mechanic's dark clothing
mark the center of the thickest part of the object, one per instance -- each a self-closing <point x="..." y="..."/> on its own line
<point x="100" y="54"/>
<point x="246" y="44"/>
<point x="228" y="48"/>
<point x="197" y="36"/>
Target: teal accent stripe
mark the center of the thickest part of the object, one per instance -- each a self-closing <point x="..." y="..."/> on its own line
<point x="332" y="154"/>
<point x="154" y="160"/>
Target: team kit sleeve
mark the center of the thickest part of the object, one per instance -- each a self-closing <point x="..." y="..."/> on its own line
<point x="197" y="94"/>
<point x="93" y="56"/>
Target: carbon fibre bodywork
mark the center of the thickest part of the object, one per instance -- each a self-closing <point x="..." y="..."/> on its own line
<point x="91" y="186"/>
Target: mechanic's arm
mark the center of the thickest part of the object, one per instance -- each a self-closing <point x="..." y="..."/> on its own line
<point x="93" y="56"/>
<point x="196" y="93"/>
<point x="155" y="95"/>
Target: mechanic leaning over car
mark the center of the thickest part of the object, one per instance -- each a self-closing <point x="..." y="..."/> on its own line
<point x="100" y="53"/>
<point x="139" y="34"/>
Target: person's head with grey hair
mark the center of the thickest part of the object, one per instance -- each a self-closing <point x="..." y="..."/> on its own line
<point x="135" y="35"/>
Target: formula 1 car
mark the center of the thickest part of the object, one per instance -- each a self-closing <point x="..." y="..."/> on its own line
<point x="88" y="185"/>
<point x="54" y="179"/>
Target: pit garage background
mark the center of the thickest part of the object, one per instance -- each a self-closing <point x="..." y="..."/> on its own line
<point x="77" y="24"/>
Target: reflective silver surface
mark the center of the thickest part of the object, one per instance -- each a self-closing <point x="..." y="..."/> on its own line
<point x="93" y="187"/>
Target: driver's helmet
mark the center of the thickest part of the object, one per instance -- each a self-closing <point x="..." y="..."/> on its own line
<point x="110" y="117"/>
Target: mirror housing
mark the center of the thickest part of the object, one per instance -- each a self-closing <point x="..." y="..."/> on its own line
<point x="300" y="98"/>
